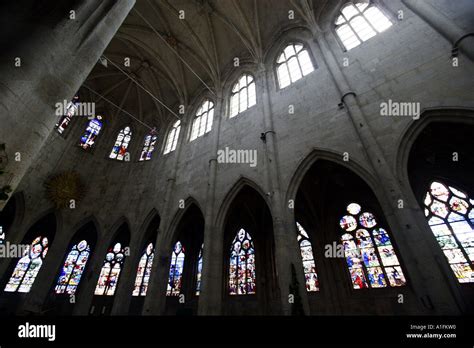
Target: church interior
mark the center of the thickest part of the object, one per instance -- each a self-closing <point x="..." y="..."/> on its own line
<point x="237" y="158"/>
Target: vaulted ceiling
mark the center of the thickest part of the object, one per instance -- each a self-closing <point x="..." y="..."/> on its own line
<point x="173" y="59"/>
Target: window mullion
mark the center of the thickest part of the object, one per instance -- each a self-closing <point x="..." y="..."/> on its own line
<point x="299" y="64"/>
<point x="382" y="266"/>
<point x="367" y="20"/>
<point x="355" y="31"/>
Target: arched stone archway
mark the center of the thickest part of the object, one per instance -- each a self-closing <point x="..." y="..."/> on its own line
<point x="249" y="211"/>
<point x="324" y="192"/>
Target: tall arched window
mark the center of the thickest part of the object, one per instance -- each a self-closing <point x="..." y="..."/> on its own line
<point x="73" y="268"/>
<point x="242" y="277"/>
<point x="172" y="139"/>
<point x="243" y="95"/>
<point x="358" y="21"/>
<point x="28" y="266"/>
<point x="311" y="277"/>
<point x="91" y="133"/>
<point x="143" y="272"/>
<point x="202" y="122"/>
<point x="199" y="271"/>
<point x="148" y="146"/>
<point x="121" y="144"/>
<point x="176" y="270"/>
<point x="109" y="275"/>
<point x="71" y="110"/>
<point x="369" y="252"/>
<point x="292" y="64"/>
<point x="450" y="214"/>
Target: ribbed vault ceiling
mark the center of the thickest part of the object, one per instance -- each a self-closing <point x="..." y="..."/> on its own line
<point x="174" y="59"/>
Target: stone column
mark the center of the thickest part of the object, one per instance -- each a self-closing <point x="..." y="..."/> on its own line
<point x="284" y="231"/>
<point x="442" y="24"/>
<point x="48" y="67"/>
<point x="412" y="236"/>
<point x="155" y="299"/>
<point x="210" y="297"/>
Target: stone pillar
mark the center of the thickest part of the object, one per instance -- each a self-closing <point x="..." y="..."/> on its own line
<point x="210" y="297"/>
<point x="442" y="24"/>
<point x="54" y="60"/>
<point x="155" y="299"/>
<point x="284" y="231"/>
<point x="412" y="236"/>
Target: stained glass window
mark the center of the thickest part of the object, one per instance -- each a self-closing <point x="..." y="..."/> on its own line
<point x="450" y="214"/>
<point x="109" y="275"/>
<point x="358" y="22"/>
<point x="143" y="272"/>
<point x="73" y="268"/>
<point x="292" y="64"/>
<point x="311" y="277"/>
<point x="172" y="139"/>
<point x="199" y="271"/>
<point x="28" y="266"/>
<point x="242" y="277"/>
<point x="370" y="255"/>
<point x="71" y="110"/>
<point x="202" y="123"/>
<point x="148" y="146"/>
<point x="243" y="95"/>
<point x="176" y="270"/>
<point x="121" y="144"/>
<point x="91" y="133"/>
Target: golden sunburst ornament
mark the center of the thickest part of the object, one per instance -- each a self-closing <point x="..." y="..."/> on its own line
<point x="65" y="189"/>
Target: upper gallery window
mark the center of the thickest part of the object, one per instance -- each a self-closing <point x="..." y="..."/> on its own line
<point x="369" y="252"/>
<point x="148" y="146"/>
<point x="292" y="64"/>
<point x="71" y="110"/>
<point x="119" y="150"/>
<point x="92" y="131"/>
<point x="172" y="139"/>
<point x="358" y="22"/>
<point x="202" y="122"/>
<point x="243" y="95"/>
<point x="450" y="214"/>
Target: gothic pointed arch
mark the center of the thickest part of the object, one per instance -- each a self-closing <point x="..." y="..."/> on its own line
<point x="433" y="159"/>
<point x="187" y="242"/>
<point x="339" y="187"/>
<point x="249" y="263"/>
